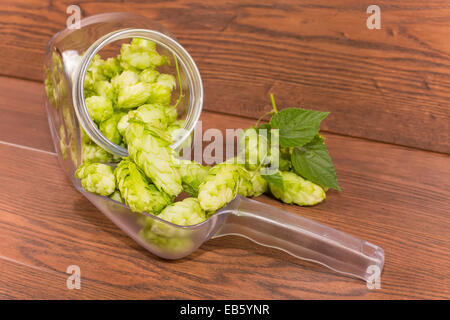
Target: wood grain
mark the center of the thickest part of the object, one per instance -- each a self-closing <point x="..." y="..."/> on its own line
<point x="392" y="196"/>
<point x="31" y="282"/>
<point x="389" y="85"/>
<point x="23" y="115"/>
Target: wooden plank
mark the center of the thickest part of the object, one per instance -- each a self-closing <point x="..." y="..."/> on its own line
<point x="23" y="116"/>
<point x="388" y="85"/>
<point x="392" y="196"/>
<point x="17" y="277"/>
<point x="22" y="281"/>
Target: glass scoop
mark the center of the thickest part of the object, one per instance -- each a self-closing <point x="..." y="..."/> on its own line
<point x="266" y="225"/>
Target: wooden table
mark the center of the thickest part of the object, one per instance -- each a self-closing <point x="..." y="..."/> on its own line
<point x="388" y="135"/>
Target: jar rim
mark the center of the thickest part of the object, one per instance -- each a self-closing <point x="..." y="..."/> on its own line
<point x="185" y="61"/>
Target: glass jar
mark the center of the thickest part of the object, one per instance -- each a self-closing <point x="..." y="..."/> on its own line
<point x="68" y="56"/>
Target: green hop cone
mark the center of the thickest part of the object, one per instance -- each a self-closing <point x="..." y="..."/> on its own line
<point x="159" y="93"/>
<point x="151" y="151"/>
<point x="141" y="43"/>
<point x="259" y="184"/>
<point x="184" y="213"/>
<point x="68" y="119"/>
<point x="74" y="150"/>
<point x="134" y="95"/>
<point x="171" y="244"/>
<point x="125" y="79"/>
<point x="109" y="128"/>
<point x="220" y="186"/>
<point x="192" y="175"/>
<point x="94" y="73"/>
<point x="116" y="196"/>
<point x="253" y="148"/>
<point x="105" y="88"/>
<point x="111" y="68"/>
<point x="171" y="238"/>
<point x="89" y="93"/>
<point x="176" y="131"/>
<point x="93" y="153"/>
<point x="122" y="125"/>
<point x="141" y="54"/>
<point x="97" y="178"/>
<point x="160" y="86"/>
<point x="148" y="75"/>
<point x="50" y="90"/>
<point x="84" y="137"/>
<point x="167" y="80"/>
<point x="136" y="191"/>
<point x="154" y="115"/>
<point x="297" y="190"/>
<point x="172" y="115"/>
<point x="100" y="108"/>
<point x="253" y="187"/>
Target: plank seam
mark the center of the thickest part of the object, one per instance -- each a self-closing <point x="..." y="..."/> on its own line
<point x="29" y="266"/>
<point x="27" y="148"/>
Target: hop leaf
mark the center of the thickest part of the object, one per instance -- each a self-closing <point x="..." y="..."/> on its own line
<point x="313" y="162"/>
<point x="297" y="126"/>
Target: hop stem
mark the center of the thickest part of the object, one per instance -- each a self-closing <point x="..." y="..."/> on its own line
<point x="273" y="103"/>
<point x="179" y="81"/>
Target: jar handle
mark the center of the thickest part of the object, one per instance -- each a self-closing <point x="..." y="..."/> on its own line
<point x="303" y="238"/>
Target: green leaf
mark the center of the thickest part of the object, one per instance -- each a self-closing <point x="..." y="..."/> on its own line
<point x="264" y="126"/>
<point x="275" y="179"/>
<point x="297" y="126"/>
<point x="267" y="133"/>
<point x="313" y="162"/>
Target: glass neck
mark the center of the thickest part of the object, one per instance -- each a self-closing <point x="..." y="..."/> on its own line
<point x="186" y="64"/>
